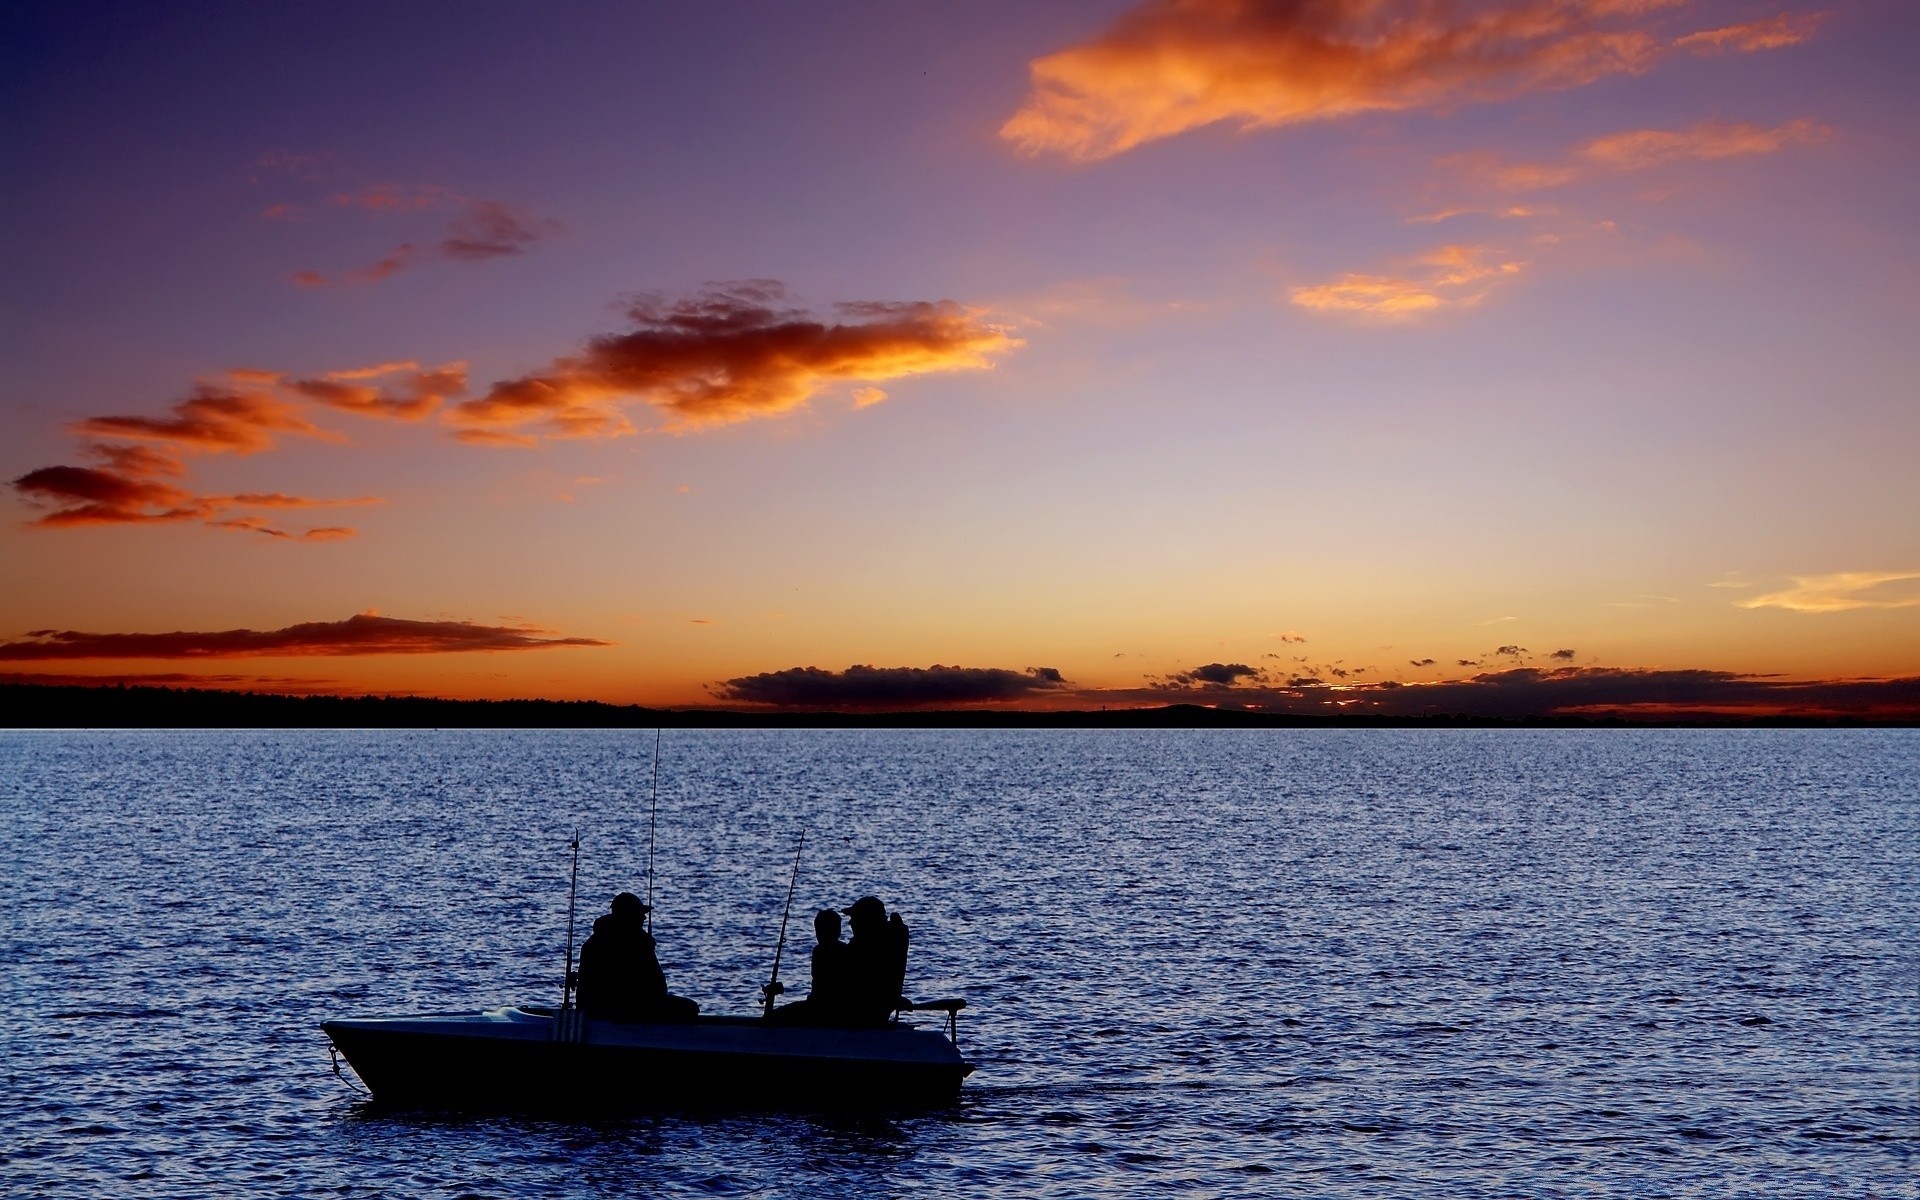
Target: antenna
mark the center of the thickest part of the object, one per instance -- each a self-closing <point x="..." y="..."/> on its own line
<point x="653" y="811"/>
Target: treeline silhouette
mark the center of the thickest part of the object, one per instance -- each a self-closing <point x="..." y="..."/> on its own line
<point x="57" y="706"/>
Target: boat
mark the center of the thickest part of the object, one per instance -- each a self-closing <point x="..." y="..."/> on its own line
<point x="532" y="1058"/>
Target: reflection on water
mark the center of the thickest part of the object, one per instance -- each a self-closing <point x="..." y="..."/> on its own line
<point x="1227" y="962"/>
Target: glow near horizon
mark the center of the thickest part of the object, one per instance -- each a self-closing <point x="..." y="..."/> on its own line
<point x="1536" y="365"/>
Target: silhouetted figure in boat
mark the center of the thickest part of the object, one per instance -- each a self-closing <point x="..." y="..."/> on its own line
<point x="876" y="964"/>
<point x="620" y="976"/>
<point x="826" y="1004"/>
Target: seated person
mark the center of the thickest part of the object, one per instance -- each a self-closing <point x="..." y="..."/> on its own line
<point x="876" y="964"/>
<point x="826" y="1004"/>
<point x="620" y="977"/>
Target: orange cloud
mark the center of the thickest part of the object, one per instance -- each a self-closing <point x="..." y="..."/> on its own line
<point x="1169" y="66"/>
<point x="1447" y="276"/>
<point x="364" y="633"/>
<point x="729" y="354"/>
<point x="493" y="437"/>
<point x="134" y="483"/>
<point x="1639" y="149"/>
<point x="98" y="496"/>
<point x="1774" y="33"/>
<point x="124" y="493"/>
<point x="327" y="533"/>
<point x="1510" y="213"/>
<point x="279" y="684"/>
<point x="415" y="394"/>
<point x="213" y="417"/>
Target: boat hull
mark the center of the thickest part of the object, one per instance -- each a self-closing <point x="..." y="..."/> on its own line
<point x="510" y="1059"/>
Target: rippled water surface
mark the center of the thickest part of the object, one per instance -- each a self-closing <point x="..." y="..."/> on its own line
<point x="1233" y="963"/>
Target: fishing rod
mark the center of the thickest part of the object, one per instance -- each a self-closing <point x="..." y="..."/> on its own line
<point x="573" y="890"/>
<point x="653" y="811"/>
<point x="773" y="987"/>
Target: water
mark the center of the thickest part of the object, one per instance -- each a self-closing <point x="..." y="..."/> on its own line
<point x="1230" y="963"/>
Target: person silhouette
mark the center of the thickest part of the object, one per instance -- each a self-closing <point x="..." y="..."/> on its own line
<point x="876" y="963"/>
<point x="826" y="1004"/>
<point x="620" y="977"/>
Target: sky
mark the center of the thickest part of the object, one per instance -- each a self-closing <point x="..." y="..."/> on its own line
<point x="1399" y="356"/>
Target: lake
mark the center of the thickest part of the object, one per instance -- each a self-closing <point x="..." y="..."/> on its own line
<point x="1220" y="962"/>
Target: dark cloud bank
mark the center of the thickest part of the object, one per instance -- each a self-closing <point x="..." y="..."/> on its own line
<point x="1562" y="692"/>
<point x="365" y="633"/>
<point x="866" y="687"/>
<point x="1519" y="693"/>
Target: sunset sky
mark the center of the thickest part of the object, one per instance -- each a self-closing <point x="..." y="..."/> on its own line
<point x="1533" y="355"/>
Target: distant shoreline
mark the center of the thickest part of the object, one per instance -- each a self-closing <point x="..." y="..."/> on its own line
<point x="52" y="706"/>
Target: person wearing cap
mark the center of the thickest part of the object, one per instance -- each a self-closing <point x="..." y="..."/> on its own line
<point x="620" y="977"/>
<point x="876" y="963"/>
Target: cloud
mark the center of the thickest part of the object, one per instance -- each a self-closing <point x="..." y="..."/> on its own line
<point x="1169" y="66"/>
<point x="213" y="417"/>
<point x="1420" y="662"/>
<point x="398" y="259"/>
<point x="1844" y="591"/>
<point x="1636" y="150"/>
<point x="1520" y="692"/>
<point x="1217" y="675"/>
<point x="1512" y="212"/>
<point x="731" y="353"/>
<point x="480" y="230"/>
<point x="728" y="354"/>
<point x="1772" y="33"/>
<point x="1639" y="150"/>
<point x="276" y="683"/>
<point x="1566" y="655"/>
<point x="365" y="633"/>
<point x="869" y="687"/>
<point x="1446" y="276"/>
<point x="102" y="495"/>
<point x="1292" y="636"/>
<point x="394" y="197"/>
<point x="112" y="495"/>
<point x="412" y="394"/>
<point x="138" y="483"/>
<point x="489" y="229"/>
<point x="491" y="437"/>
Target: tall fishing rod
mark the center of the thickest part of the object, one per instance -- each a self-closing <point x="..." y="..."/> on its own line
<point x="653" y="811"/>
<point x="573" y="890"/>
<point x="773" y="987"/>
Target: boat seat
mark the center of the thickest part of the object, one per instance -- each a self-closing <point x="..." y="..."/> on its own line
<point x="946" y="1006"/>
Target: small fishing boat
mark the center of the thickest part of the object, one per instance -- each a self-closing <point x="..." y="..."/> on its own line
<point x="530" y="1058"/>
